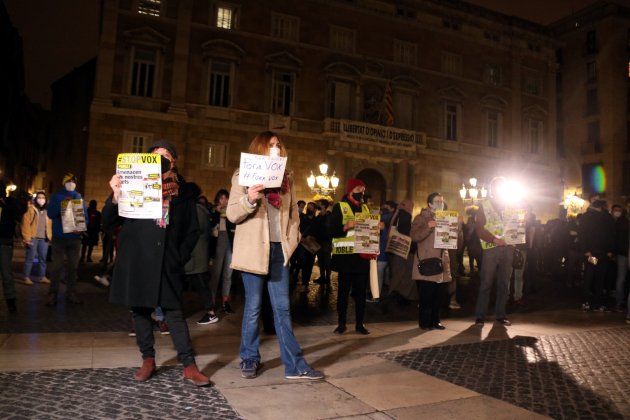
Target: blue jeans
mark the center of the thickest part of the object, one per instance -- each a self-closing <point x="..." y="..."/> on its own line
<point x="497" y="260"/>
<point x="6" y="271"/>
<point x="39" y="249"/>
<point x="277" y="283"/>
<point x="622" y="271"/>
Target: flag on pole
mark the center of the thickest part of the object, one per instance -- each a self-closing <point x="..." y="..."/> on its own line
<point x="389" y="104"/>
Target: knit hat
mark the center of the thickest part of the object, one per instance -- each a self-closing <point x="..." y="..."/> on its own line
<point x="69" y="177"/>
<point x="353" y="183"/>
<point x="164" y="144"/>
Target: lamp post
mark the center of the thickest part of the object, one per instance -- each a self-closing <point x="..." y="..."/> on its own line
<point x="470" y="194"/>
<point x="323" y="184"/>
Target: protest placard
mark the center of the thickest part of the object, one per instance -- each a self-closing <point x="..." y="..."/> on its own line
<point x="141" y="185"/>
<point x="446" y="229"/>
<point x="366" y="233"/>
<point x="73" y="216"/>
<point x="261" y="169"/>
<point x="514" y="223"/>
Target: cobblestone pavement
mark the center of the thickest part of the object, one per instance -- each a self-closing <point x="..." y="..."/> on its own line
<point x="583" y="375"/>
<point x="107" y="393"/>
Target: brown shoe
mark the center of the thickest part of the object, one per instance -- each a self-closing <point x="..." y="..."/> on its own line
<point x="146" y="371"/>
<point x="192" y="374"/>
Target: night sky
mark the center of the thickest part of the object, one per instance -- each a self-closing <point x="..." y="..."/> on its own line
<point x="60" y="35"/>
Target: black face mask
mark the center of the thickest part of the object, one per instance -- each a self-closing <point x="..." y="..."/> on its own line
<point x="166" y="164"/>
<point x="358" y="197"/>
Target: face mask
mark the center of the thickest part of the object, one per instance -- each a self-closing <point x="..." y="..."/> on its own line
<point x="437" y="206"/>
<point x="70" y="186"/>
<point x="617" y="214"/>
<point x="166" y="165"/>
<point x="41" y="201"/>
<point x="274" y="151"/>
<point x="358" y="196"/>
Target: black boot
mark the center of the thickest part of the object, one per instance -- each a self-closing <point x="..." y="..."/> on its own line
<point x="11" y="306"/>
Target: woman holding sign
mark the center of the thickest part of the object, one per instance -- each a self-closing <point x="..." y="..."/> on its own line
<point x="431" y="269"/>
<point x="266" y="235"/>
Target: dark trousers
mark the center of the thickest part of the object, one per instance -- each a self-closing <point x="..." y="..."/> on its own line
<point x="177" y="327"/>
<point x="431" y="296"/>
<point x="307" y="260"/>
<point x="594" y="279"/>
<point x="358" y="283"/>
<point x="199" y="284"/>
<point x="323" y="258"/>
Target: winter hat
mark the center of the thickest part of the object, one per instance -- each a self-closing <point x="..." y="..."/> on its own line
<point x="353" y="183"/>
<point x="69" y="177"/>
<point x="164" y="144"/>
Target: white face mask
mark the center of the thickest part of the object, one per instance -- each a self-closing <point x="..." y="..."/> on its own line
<point x="70" y="186"/>
<point x="437" y="206"/>
<point x="274" y="151"/>
<point x="41" y="201"/>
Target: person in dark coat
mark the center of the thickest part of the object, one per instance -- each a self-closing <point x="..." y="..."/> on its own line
<point x="90" y="238"/>
<point x="353" y="269"/>
<point x="621" y="254"/>
<point x="10" y="214"/>
<point x="149" y="269"/>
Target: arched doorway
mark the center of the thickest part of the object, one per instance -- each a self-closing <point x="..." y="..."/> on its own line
<point x="376" y="186"/>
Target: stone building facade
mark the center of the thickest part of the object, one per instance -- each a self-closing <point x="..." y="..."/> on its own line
<point x="472" y="92"/>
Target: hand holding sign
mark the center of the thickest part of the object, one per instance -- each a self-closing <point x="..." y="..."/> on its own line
<point x="260" y="169"/>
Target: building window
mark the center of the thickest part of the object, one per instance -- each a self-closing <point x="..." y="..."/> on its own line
<point x="220" y="73"/>
<point x="405" y="52"/>
<point x="591" y="72"/>
<point x="226" y="16"/>
<point x="492" y="74"/>
<point x="533" y="85"/>
<point x="340" y="100"/>
<point x="451" y="121"/>
<point x="535" y="136"/>
<point x="591" y="101"/>
<point x="342" y="39"/>
<point x="591" y="42"/>
<point x="143" y="72"/>
<point x="285" y="27"/>
<point x="492" y="128"/>
<point x="403" y="110"/>
<point x="452" y="63"/>
<point x="282" y="93"/>
<point x="214" y="155"/>
<point x="150" y="7"/>
<point x="136" y="142"/>
<point x="593" y="136"/>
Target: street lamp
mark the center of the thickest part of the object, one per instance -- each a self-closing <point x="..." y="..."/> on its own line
<point x="323" y="184"/>
<point x="471" y="193"/>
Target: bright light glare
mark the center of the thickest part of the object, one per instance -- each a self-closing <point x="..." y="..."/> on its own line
<point x="511" y="192"/>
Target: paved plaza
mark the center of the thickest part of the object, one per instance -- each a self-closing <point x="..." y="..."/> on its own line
<point x="77" y="361"/>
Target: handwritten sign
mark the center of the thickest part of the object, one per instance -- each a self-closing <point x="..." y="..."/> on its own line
<point x="260" y="169"/>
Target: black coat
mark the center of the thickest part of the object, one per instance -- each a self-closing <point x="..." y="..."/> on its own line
<point x="149" y="268"/>
<point x="348" y="263"/>
<point x="596" y="233"/>
<point x="621" y="235"/>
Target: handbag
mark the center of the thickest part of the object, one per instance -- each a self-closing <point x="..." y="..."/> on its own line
<point x="310" y="244"/>
<point x="518" y="261"/>
<point x="398" y="243"/>
<point x="430" y="266"/>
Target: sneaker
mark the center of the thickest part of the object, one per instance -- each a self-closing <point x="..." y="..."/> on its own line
<point x="132" y="333"/>
<point x="102" y="280"/>
<point x="44" y="280"/>
<point x="479" y="321"/>
<point x="28" y="281"/>
<point x="311" y="374"/>
<point x="226" y="308"/>
<point x="208" y="318"/>
<point x="504" y="321"/>
<point x="249" y="369"/>
<point x="163" y="328"/>
<point x="603" y="309"/>
<point x="454" y="305"/>
<point x="586" y="307"/>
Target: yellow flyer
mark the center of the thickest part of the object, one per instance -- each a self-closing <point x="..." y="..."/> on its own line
<point x="141" y="191"/>
<point x="446" y="229"/>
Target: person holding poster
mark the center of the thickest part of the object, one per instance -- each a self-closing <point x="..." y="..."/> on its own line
<point x="149" y="269"/>
<point x="426" y="232"/>
<point x="68" y="213"/>
<point x="266" y="235"/>
<point x="353" y="268"/>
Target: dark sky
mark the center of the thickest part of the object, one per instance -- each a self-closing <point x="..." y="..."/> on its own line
<point x="59" y="35"/>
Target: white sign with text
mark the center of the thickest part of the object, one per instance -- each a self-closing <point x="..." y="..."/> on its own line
<point x="260" y="169"/>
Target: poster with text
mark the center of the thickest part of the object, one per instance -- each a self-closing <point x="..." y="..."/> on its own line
<point x="261" y="169"/>
<point x="73" y="216"/>
<point x="446" y="229"/>
<point x="514" y="224"/>
<point x="366" y="233"/>
<point x="141" y="192"/>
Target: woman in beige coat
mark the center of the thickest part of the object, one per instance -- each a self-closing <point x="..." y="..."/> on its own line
<point x="266" y="235"/>
<point x="36" y="233"/>
<point x="431" y="289"/>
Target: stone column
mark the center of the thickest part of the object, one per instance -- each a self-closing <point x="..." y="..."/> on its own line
<point x="180" y="61"/>
<point x="106" y="52"/>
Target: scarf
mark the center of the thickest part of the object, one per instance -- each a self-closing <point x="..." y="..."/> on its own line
<point x="170" y="189"/>
<point x="273" y="195"/>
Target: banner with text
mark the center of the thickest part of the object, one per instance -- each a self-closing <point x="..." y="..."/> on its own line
<point x="380" y="135"/>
